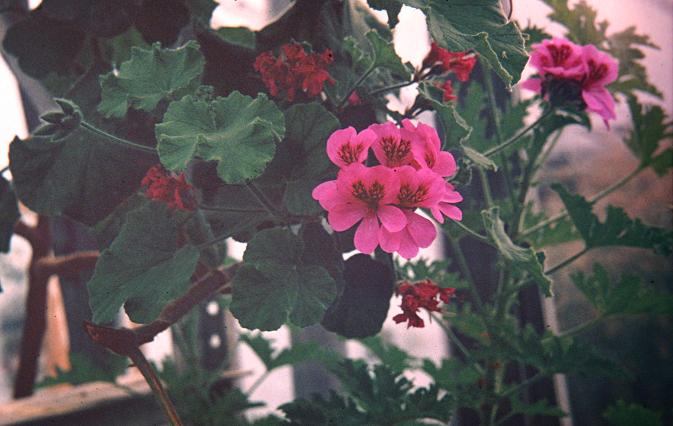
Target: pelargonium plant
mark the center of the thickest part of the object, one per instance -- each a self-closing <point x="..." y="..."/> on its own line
<point x="169" y="138"/>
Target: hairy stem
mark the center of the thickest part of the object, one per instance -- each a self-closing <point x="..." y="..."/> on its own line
<point x="516" y="137"/>
<point x="93" y="129"/>
<point x="464" y="269"/>
<point x="391" y="87"/>
<point x="264" y="201"/>
<point x="355" y="85"/>
<point x="566" y="262"/>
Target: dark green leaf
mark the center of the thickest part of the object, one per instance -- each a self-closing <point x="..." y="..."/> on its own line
<point x="628" y="296"/>
<point x="83" y="176"/>
<point x="363" y="305"/>
<point x="308" y="127"/>
<point x="384" y="54"/>
<point x="580" y="21"/>
<point x="538" y="408"/>
<point x="299" y="352"/>
<point x="84" y="370"/>
<point x="623" y="414"/>
<point x="239" y="36"/>
<point x="9" y="214"/>
<point x="388" y="354"/>
<point x="143" y="268"/>
<point x="43" y="45"/>
<point x="392" y="8"/>
<point x="150" y="76"/>
<point x="436" y="270"/>
<point x="275" y="285"/>
<point x="520" y="257"/>
<point x="617" y="229"/>
<point x="478" y="25"/>
<point x="237" y="131"/>
<point x="650" y="130"/>
<point x="626" y="46"/>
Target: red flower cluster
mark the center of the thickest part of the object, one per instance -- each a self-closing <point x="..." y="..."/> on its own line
<point x="442" y="61"/>
<point x="422" y="294"/>
<point x="460" y="63"/>
<point x="160" y="185"/>
<point x="294" y="70"/>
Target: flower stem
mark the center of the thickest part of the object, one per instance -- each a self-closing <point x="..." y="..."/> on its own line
<point x="567" y="262"/>
<point x="258" y="382"/>
<point x="391" y="87"/>
<point x="472" y="232"/>
<point x="93" y="129"/>
<point x="516" y="137"/>
<point x="355" y="85"/>
<point x="602" y="194"/>
<point x="264" y="201"/>
<point x="464" y="269"/>
<point x="456" y="341"/>
<point x="574" y="331"/>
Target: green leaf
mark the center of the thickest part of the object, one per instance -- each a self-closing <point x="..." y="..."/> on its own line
<point x="455" y="129"/>
<point x="626" y="46"/>
<point x="237" y="131"/>
<point x="628" y="296"/>
<point x="617" y="229"/>
<point x="650" y="130"/>
<point x="43" y="45"/>
<point x="84" y="370"/>
<point x="537" y="408"/>
<point x="150" y="76"/>
<point x="238" y="36"/>
<point x="363" y="306"/>
<point x="82" y="176"/>
<point x="275" y="285"/>
<point x="520" y="257"/>
<point x="623" y="414"/>
<point x="307" y="165"/>
<point x="143" y="268"/>
<point x="299" y="352"/>
<point x="388" y="354"/>
<point x="392" y="8"/>
<point x="385" y="56"/>
<point x="436" y="270"/>
<point x="478" y="25"/>
<point x="9" y="214"/>
<point x="479" y="159"/>
<point x="580" y="21"/>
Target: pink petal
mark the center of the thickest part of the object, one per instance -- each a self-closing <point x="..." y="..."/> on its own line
<point x="392" y="218"/>
<point x="326" y="194"/>
<point x="601" y="102"/>
<point x="421" y="230"/>
<point x="437" y="214"/>
<point x="335" y="141"/>
<point x="445" y="165"/>
<point x="343" y="216"/>
<point x="389" y="241"/>
<point x="452" y="212"/>
<point x="534" y="84"/>
<point x="366" y="236"/>
<point x="408" y="247"/>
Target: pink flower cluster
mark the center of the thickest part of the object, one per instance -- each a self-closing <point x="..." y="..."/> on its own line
<point x="562" y="60"/>
<point x="384" y="198"/>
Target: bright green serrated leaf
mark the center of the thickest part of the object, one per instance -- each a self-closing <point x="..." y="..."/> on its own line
<point x="143" y="268"/>
<point x="520" y="257"/>
<point x="151" y="76"/>
<point x="237" y="131"/>
<point x="617" y="229"/>
<point x="274" y="285"/>
<point x="650" y="130"/>
<point x="9" y="214"/>
<point x="478" y="25"/>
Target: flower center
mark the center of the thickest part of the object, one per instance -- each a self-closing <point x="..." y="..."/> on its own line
<point x="350" y="153"/>
<point x="596" y="72"/>
<point x="371" y="195"/>
<point x="395" y="152"/>
<point x="409" y="197"/>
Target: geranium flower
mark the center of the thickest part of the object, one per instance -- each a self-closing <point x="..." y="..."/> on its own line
<point x="573" y="73"/>
<point x="445" y="207"/>
<point x="347" y="146"/>
<point x="393" y="145"/>
<point x="418" y="188"/>
<point x="362" y="194"/>
<point x="419" y="295"/>
<point x="427" y="149"/>
<point x="460" y="63"/>
<point x="447" y="91"/>
<point x="294" y="71"/>
<point x="162" y="186"/>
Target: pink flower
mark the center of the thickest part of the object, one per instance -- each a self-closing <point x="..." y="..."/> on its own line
<point x="365" y="195"/>
<point x="445" y="206"/>
<point x="393" y="145"/>
<point x="426" y="149"/>
<point x="418" y="188"/>
<point x="346" y="146"/>
<point x="600" y="69"/>
<point x="589" y="69"/>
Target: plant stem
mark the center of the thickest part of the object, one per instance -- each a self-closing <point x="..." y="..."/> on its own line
<point x="486" y="188"/>
<point x="522" y="385"/>
<point x="516" y="137"/>
<point x="464" y="268"/>
<point x="355" y="85"/>
<point x="567" y="262"/>
<point x="472" y="232"/>
<point x="113" y="138"/>
<point x="391" y="87"/>
<point x="264" y="201"/>
<point x="602" y="194"/>
<point x="578" y="329"/>
<point x="550" y="148"/>
<point x="456" y="341"/>
<point x="155" y="384"/>
<point x="231" y="209"/>
<point x="258" y="382"/>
